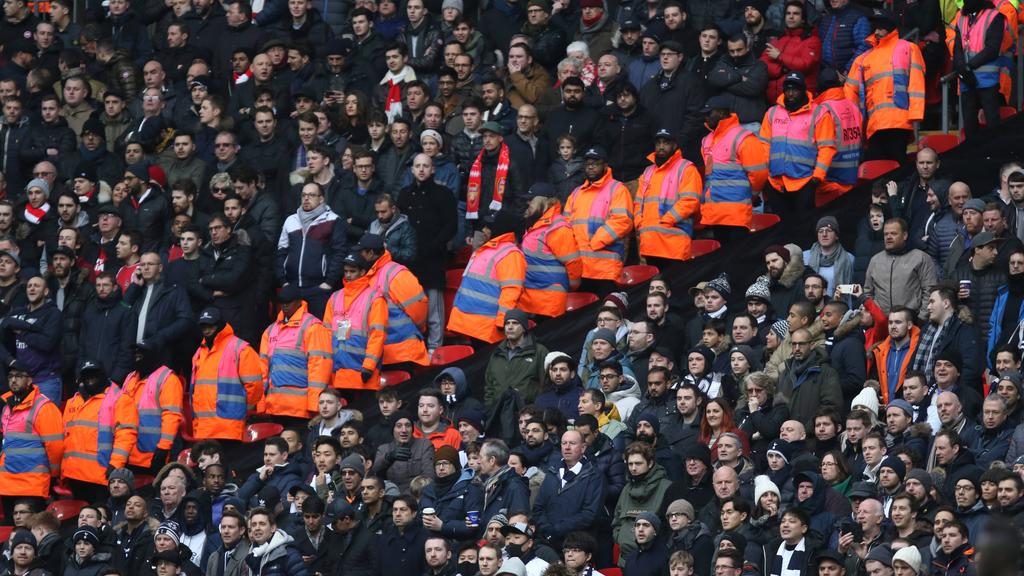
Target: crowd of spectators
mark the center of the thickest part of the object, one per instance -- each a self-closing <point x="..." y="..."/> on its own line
<point x="219" y="212"/>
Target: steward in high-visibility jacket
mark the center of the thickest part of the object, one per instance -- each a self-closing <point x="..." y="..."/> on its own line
<point x="667" y="201"/>
<point x="553" y="264"/>
<point x="800" y="141"/>
<point x="357" y="317"/>
<point x="600" y="212"/>
<point x="157" y="393"/>
<point x="101" y="426"/>
<point x="893" y="381"/>
<point x="406" y="301"/>
<point x="33" y="433"/>
<point x="887" y="81"/>
<point x="735" y="167"/>
<point x="492" y="283"/>
<point x="979" y="61"/>
<point x="295" y="355"/>
<point x="842" y="173"/>
<point x="227" y="380"/>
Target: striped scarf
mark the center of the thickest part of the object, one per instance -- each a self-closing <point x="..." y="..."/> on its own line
<point x="789" y="561"/>
<point x="473" y="188"/>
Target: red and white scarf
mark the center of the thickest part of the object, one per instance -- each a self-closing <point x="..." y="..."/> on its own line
<point x="35" y="215"/>
<point x="473" y="188"/>
<point x="393" y="100"/>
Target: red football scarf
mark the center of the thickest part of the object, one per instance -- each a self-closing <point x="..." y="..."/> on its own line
<point x="473" y="188"/>
<point x="34" y="215"/>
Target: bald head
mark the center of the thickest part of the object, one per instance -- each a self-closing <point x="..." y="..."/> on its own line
<point x="725" y="482"/>
<point x="792" y="431"/>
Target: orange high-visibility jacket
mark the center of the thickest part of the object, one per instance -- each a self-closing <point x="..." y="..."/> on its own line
<point x="227" y="384"/>
<point x="160" y="416"/>
<point x="33" y="432"/>
<point x="362" y="347"/>
<point x="553" y="264"/>
<point x="887" y="82"/>
<point x="798" y="142"/>
<point x="667" y="205"/>
<point x="492" y="284"/>
<point x="726" y="199"/>
<point x="445" y="435"/>
<point x="601" y="216"/>
<point x="404" y="295"/>
<point x="879" y="356"/>
<point x="98" y="432"/>
<point x="295" y="357"/>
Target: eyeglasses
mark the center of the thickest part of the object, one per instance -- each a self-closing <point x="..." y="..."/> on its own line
<point x="222" y="189"/>
<point x="607" y="376"/>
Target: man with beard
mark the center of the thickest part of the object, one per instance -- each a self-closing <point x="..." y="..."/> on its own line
<point x="563" y="386"/>
<point x="806" y="381"/>
<point x="602" y="246"/>
<point x="548" y="39"/>
<point x="497" y="108"/>
<point x="659" y="401"/>
<point x="85" y="455"/>
<point x="147" y="209"/>
<point x="646" y="63"/>
<point x="799" y="157"/>
<point x="452" y="495"/>
<point x="553" y="265"/>
<point x="71" y="291"/>
<point x="502" y="487"/>
<point x="667" y="202"/>
<point x="573" y="117"/>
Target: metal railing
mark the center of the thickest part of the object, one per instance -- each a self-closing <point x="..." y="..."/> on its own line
<point x="946" y="81"/>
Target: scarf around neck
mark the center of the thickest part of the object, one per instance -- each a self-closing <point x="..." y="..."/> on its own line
<point x="35" y="215"/>
<point x="307" y="218"/>
<point x="842" y="272"/>
<point x="475" y="176"/>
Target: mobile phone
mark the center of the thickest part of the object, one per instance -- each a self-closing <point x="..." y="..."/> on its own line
<point x="845" y="288"/>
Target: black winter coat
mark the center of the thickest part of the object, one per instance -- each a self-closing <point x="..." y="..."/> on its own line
<point x="42" y="136"/>
<point x="78" y="294"/>
<point x="431" y="210"/>
<point x="108" y="333"/>
<point x="676" y="103"/>
<point x="559" y="509"/>
<point x="149" y="218"/>
<point x="629" y="139"/>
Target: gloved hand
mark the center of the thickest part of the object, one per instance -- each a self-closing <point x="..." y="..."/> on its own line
<point x="366" y="375"/>
<point x="159" y="460"/>
<point x="402" y="453"/>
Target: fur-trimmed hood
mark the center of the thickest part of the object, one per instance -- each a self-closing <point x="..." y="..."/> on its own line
<point x="794" y="270"/>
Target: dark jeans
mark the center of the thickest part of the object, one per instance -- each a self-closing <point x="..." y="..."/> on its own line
<point x="794" y="208"/>
<point x="987" y="99"/>
<point x="890" y="144"/>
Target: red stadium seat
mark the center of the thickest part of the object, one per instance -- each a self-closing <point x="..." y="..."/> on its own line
<point x="939" y="142"/>
<point x="763" y="222"/>
<point x="577" y="300"/>
<point x="393" y="377"/>
<point x="461" y="258"/>
<point x="261" y="431"/>
<point x="183" y="457"/>
<point x="142" y="480"/>
<point x="611" y="571"/>
<point x="638" y="274"/>
<point x="699" y="248"/>
<point x="616" y="551"/>
<point x="452" y="281"/>
<point x="66" y="509"/>
<point x="874" y="168"/>
<point x="447" y="354"/>
<point x="5" y="532"/>
<point x="62" y="491"/>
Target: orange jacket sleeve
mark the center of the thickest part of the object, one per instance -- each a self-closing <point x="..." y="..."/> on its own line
<point x="687" y="198"/>
<point x="853" y="86"/>
<point x="825" y="137"/>
<point x="753" y="155"/>
<point x="620" y="219"/>
<point x="319" y="364"/>
<point x="126" y="431"/>
<point x="408" y="293"/>
<point x="171" y="395"/>
<point x="250" y="372"/>
<point x="378" y="321"/>
<point x="49" y="425"/>
<point x="562" y="243"/>
<point x="510" y="273"/>
<point x="916" y="90"/>
<point x="261" y="406"/>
